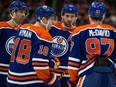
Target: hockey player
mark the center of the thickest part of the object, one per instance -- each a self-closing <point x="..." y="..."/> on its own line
<point x="18" y="13"/>
<point x="91" y="60"/>
<point x="30" y="56"/>
<point x="61" y="32"/>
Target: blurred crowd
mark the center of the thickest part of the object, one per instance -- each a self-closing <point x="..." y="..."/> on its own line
<point x="82" y="6"/>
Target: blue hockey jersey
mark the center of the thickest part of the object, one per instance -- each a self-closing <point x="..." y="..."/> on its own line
<point x="7" y="34"/>
<point x="88" y="42"/>
<point x="61" y="46"/>
<point x="30" y="57"/>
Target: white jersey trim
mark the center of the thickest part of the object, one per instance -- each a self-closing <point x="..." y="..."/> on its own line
<point x="88" y="67"/>
<point x="40" y="59"/>
<point x="63" y="67"/>
<point x="25" y="82"/>
<point x="22" y="74"/>
<point x="41" y="68"/>
<point x="5" y="65"/>
<point x="4" y="73"/>
<point x="73" y="68"/>
<point x="74" y="59"/>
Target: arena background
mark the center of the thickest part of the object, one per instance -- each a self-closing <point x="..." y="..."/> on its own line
<point x="82" y="6"/>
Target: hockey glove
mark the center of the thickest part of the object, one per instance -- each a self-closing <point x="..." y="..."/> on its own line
<point x="53" y="81"/>
<point x="54" y="63"/>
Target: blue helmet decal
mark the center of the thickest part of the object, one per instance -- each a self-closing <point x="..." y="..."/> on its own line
<point x="69" y="8"/>
<point x="44" y="11"/>
<point x="97" y="9"/>
<point x="18" y="5"/>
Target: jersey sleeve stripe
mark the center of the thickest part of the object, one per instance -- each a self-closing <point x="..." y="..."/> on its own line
<point x="40" y="59"/>
<point x="73" y="64"/>
<point x="5" y="65"/>
<point x="21" y="74"/>
<point x="25" y="82"/>
<point x="41" y="68"/>
<point x="3" y="69"/>
<point x="81" y="80"/>
<point x="39" y="64"/>
<point x="74" y="59"/>
<point x="87" y="64"/>
<point x="53" y="79"/>
<point x="73" y="68"/>
<point x="4" y="73"/>
<point x="22" y="78"/>
<point x="86" y="68"/>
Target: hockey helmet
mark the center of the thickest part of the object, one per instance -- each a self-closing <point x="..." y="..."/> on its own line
<point x="18" y="5"/>
<point x="44" y="11"/>
<point x="97" y="9"/>
<point x="69" y="8"/>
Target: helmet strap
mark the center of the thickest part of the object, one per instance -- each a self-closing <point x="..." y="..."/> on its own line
<point x="46" y="25"/>
<point x="13" y="19"/>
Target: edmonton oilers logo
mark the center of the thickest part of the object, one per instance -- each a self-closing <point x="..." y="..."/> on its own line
<point x="9" y="45"/>
<point x="59" y="46"/>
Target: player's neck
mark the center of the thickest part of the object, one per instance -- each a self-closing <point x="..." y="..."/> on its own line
<point x="13" y="23"/>
<point x="95" y="22"/>
<point x="39" y="25"/>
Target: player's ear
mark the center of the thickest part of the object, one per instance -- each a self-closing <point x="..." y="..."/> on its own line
<point x="76" y="18"/>
<point x="44" y="20"/>
<point x="12" y="13"/>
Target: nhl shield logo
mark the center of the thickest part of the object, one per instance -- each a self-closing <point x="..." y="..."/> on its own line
<point x="59" y="46"/>
<point x="9" y="45"/>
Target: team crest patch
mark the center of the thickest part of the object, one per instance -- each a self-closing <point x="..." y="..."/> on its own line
<point x="59" y="46"/>
<point x="9" y="45"/>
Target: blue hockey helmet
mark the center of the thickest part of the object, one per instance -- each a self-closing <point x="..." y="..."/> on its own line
<point x="18" y="5"/>
<point x="69" y="8"/>
<point x="97" y="9"/>
<point x="44" y="11"/>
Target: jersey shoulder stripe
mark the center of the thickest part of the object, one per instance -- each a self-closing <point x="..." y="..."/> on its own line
<point x="92" y="26"/>
<point x="58" y="25"/>
<point x="5" y="25"/>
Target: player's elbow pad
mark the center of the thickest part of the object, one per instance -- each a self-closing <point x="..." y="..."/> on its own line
<point x="53" y="81"/>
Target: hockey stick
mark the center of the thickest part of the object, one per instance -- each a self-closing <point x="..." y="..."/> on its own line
<point x="62" y="74"/>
